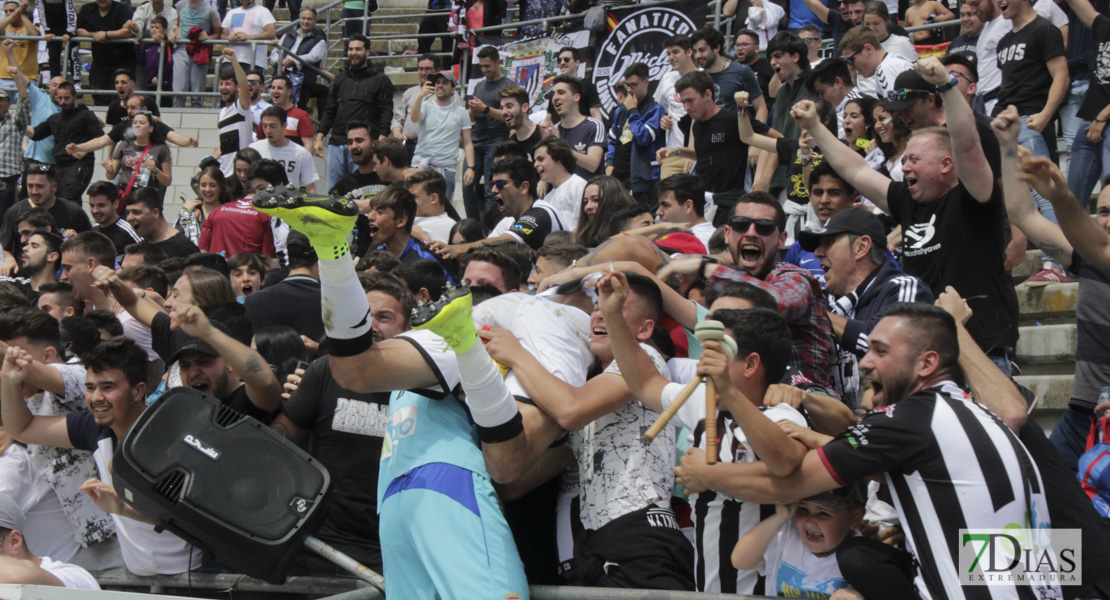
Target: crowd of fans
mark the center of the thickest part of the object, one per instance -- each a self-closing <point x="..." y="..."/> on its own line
<point x="849" y="221"/>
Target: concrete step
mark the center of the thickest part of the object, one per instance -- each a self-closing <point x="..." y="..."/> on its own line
<point x="1030" y="265"/>
<point x="1053" y="391"/>
<point x="1053" y="301"/>
<point x="1046" y="344"/>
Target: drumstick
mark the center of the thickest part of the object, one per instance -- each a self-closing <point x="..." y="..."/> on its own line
<point x="709" y="329"/>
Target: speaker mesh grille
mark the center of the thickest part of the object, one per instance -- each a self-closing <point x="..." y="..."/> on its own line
<point x="226" y="417"/>
<point x="170" y="487"/>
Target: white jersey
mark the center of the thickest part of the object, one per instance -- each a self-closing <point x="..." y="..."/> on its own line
<point x="720" y="521"/>
<point x="886" y="73"/>
<point x="438" y="227"/>
<point x="299" y="168"/>
<point x="236" y="129"/>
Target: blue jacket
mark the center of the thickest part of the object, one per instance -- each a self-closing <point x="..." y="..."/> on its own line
<point x="866" y="304"/>
<point x="647" y="136"/>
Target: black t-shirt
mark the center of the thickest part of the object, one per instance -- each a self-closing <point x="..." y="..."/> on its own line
<point x="293" y="302"/>
<point x="797" y="188"/>
<point x="239" y="401"/>
<point x="962" y="44"/>
<point x="178" y="246"/>
<point x="531" y="143"/>
<point x="959" y="241"/>
<point x="763" y="74"/>
<point x="989" y="143"/>
<point x="1098" y="94"/>
<point x="119" y="130"/>
<point x="121" y="234"/>
<point x="583" y="136"/>
<point x="1022" y="58"/>
<point x="117" y="113"/>
<point x="113" y="54"/>
<point x="839" y="27"/>
<point x="363" y="185"/>
<point x="588" y="100"/>
<point x="346" y="432"/>
<point x="67" y="215"/>
<point x="722" y="157"/>
<point x="535" y="224"/>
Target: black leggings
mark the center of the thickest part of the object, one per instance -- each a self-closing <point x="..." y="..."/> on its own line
<point x="877" y="570"/>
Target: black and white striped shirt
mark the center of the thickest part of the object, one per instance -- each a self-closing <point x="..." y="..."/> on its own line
<point x="951" y="464"/>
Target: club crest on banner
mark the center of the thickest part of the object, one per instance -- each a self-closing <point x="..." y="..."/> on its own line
<point x="637" y="38"/>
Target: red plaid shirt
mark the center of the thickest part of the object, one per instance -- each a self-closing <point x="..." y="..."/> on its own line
<point x="802" y="302"/>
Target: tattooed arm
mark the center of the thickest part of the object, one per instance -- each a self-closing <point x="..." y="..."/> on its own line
<point x="263" y="389"/>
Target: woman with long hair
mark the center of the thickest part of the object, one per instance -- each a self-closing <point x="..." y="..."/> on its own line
<point x="282" y="348"/>
<point x="240" y="187"/>
<point x="212" y="192"/>
<point x="200" y="286"/>
<point x="144" y="161"/>
<point x="892" y="135"/>
<point x="859" y="122"/>
<point x="602" y="197"/>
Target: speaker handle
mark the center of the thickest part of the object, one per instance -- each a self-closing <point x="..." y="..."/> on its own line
<point x="363" y="572"/>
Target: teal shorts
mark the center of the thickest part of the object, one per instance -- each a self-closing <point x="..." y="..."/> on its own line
<point x="443" y="536"/>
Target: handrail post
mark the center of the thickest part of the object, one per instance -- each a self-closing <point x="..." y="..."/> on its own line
<point x="65" y="60"/>
<point x="161" y="72"/>
<point x="365" y="16"/>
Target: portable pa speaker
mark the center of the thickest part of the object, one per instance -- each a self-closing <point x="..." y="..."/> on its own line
<point x="223" y="482"/>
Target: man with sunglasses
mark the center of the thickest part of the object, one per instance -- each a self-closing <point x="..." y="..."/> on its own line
<point x="755" y="235"/>
<point x="254" y="84"/>
<point x="876" y="68"/>
<point x="950" y="208"/>
<point x="529" y="221"/>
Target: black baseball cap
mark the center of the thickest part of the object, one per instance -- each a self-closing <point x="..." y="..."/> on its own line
<point x="184" y="342"/>
<point x="850" y="220"/>
<point x="909" y="86"/>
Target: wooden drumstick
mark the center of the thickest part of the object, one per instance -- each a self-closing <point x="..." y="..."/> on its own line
<point x="706" y="327"/>
<point x="705" y="331"/>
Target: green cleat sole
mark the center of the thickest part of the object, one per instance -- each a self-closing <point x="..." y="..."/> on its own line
<point x="449" y="317"/>
<point x="325" y="220"/>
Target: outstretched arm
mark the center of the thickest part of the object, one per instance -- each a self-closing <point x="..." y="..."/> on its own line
<point x="644" y="381"/>
<point x="1045" y="234"/>
<point x="263" y="389"/>
<point x="967" y="149"/>
<point x="1086" y="236"/>
<point x="867" y="181"/>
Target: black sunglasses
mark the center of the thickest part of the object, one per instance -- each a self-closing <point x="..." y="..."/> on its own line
<point x="499" y="184"/>
<point x="565" y="59"/>
<point x="762" y="226"/>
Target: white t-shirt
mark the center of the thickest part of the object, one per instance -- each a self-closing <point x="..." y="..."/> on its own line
<point x="298" y="164"/>
<point x="986" y="49"/>
<point x="795" y="572"/>
<point x="438" y="227"/>
<point x="567" y="199"/>
<point x="502" y="228"/>
<point x="47" y="530"/>
<point x="666" y="97"/>
<point x="1049" y="10"/>
<point x="250" y="21"/>
<point x="439" y="131"/>
<point x="145" y="551"/>
<point x="619" y="472"/>
<point x="886" y="73"/>
<point x="71" y="576"/>
<point x="900" y="46"/>
<point x="703" y="231"/>
<point x="235" y="124"/>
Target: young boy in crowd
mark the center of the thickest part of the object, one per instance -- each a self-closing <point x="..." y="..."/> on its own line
<point x="796" y="547"/>
<point x="149" y="53"/>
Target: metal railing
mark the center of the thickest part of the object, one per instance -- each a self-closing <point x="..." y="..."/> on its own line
<point x="336" y="588"/>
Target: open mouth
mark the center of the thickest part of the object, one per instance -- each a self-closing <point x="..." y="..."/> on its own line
<point x="373" y="229"/>
<point x="825" y="266"/>
<point x="814" y="537"/>
<point x="750" y="253"/>
<point x="910" y="181"/>
<point x="100" y="408"/>
<point x="201" y="387"/>
<point x="247" y="289"/>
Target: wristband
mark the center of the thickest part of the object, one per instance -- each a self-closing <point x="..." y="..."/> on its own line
<point x="485" y="111"/>
<point x="1097" y="120"/>
<point x="951" y="84"/>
